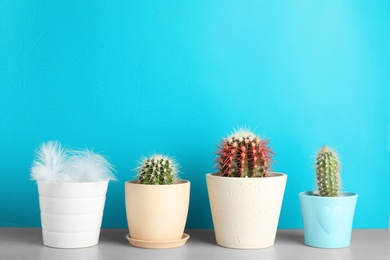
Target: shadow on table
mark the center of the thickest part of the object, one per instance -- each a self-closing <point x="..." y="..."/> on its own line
<point x="290" y="236"/>
<point x="115" y="236"/>
<point x="205" y="236"/>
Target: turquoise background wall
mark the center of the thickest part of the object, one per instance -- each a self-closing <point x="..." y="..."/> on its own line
<point x="128" y="78"/>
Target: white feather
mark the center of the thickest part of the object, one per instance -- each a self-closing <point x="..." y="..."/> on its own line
<point x="87" y="166"/>
<point x="55" y="164"/>
<point x="50" y="163"/>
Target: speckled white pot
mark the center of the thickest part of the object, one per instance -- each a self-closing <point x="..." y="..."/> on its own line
<point x="71" y="213"/>
<point x="246" y="211"/>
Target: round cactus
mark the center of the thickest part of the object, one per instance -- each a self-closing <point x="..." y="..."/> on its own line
<point x="157" y="170"/>
<point x="327" y="171"/>
<point x="244" y="154"/>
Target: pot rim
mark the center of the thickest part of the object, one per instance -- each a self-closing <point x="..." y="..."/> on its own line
<point x="272" y="175"/>
<point x="178" y="182"/>
<point x="72" y="183"/>
<point x="342" y="195"/>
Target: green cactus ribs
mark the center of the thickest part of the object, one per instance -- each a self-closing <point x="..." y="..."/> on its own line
<point x="327" y="172"/>
<point x="157" y="170"/>
<point x="244" y="154"/>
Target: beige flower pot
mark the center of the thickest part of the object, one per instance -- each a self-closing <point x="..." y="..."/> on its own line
<point x="71" y="213"/>
<point x="246" y="211"/>
<point x="157" y="214"/>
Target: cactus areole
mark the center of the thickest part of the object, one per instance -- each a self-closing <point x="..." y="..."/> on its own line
<point x="244" y="154"/>
<point x="327" y="172"/>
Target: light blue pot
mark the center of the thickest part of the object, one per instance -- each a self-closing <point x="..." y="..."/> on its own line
<point x="327" y="221"/>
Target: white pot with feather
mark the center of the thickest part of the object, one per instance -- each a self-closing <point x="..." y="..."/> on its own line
<point x="71" y="213"/>
<point x="72" y="187"/>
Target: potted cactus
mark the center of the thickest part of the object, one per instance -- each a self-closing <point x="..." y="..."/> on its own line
<point x="328" y="212"/>
<point x="245" y="196"/>
<point x="72" y="187"/>
<point x="157" y="204"/>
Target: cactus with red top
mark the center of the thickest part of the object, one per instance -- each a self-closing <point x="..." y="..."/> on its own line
<point x="244" y="154"/>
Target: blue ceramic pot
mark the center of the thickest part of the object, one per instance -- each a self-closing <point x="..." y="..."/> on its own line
<point x="327" y="221"/>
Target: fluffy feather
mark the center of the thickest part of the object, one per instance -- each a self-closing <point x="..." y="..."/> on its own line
<point x="55" y="164"/>
<point x="88" y="166"/>
<point x="50" y="163"/>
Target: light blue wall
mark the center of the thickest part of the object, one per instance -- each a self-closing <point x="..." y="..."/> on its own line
<point x="128" y="78"/>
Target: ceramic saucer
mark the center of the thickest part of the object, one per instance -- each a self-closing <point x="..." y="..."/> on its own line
<point x="158" y="244"/>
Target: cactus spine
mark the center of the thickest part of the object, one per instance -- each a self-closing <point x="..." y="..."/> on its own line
<point x="327" y="171"/>
<point x="243" y="154"/>
<point x="157" y="170"/>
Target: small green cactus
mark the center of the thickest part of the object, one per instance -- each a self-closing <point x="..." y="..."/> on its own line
<point x="327" y="171"/>
<point x="244" y="154"/>
<point x="157" y="170"/>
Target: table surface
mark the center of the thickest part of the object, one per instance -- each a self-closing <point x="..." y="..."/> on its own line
<point x="26" y="243"/>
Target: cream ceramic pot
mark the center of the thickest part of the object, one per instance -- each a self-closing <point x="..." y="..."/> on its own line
<point x="157" y="212"/>
<point x="71" y="213"/>
<point x="246" y="211"/>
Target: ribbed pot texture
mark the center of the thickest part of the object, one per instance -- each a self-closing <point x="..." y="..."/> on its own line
<point x="71" y="213"/>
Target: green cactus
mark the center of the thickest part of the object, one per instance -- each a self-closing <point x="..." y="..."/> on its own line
<point x="157" y="170"/>
<point x="244" y="154"/>
<point x="327" y="171"/>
